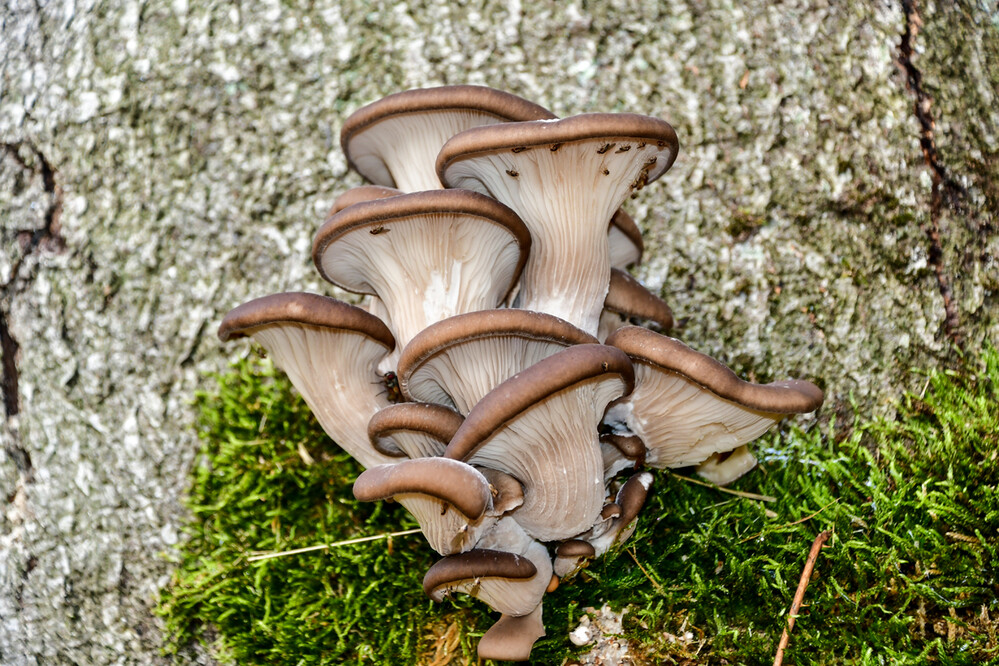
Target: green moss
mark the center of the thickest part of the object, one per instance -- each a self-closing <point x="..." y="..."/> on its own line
<point x="910" y="575"/>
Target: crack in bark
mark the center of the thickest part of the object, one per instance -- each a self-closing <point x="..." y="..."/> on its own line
<point x="945" y="190"/>
<point x="46" y="238"/>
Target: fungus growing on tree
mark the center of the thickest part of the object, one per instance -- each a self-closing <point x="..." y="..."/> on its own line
<point x="521" y="444"/>
<point x="566" y="179"/>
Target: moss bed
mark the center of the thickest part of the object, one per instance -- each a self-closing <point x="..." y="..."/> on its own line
<point x="908" y="577"/>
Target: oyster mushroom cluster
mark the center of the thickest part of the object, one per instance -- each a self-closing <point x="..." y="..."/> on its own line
<point x="492" y="385"/>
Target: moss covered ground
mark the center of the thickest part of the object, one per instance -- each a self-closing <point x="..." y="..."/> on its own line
<point x="910" y="575"/>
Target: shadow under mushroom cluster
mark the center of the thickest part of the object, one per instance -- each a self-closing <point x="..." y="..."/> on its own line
<point x="492" y="385"/>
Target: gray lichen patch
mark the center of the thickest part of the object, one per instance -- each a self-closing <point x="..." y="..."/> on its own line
<point x="196" y="152"/>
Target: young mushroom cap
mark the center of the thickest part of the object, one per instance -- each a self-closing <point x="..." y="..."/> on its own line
<point x="428" y="488"/>
<point x="572" y="555"/>
<point x="330" y="351"/>
<point x="394" y="141"/>
<point x="629" y="500"/>
<point x="457" y="361"/>
<point x="540" y="426"/>
<point x="627" y="300"/>
<point x="626" y="243"/>
<point x="508" y="570"/>
<point x="565" y="178"/>
<point x="686" y="406"/>
<point x="413" y="429"/>
<point x="621" y="452"/>
<point x="427" y="255"/>
<point x="491" y="576"/>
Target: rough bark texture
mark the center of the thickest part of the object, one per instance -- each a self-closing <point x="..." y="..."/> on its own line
<point x="831" y="216"/>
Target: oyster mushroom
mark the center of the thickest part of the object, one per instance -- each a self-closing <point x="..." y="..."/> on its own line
<point x="565" y="178"/>
<point x="413" y="429"/>
<point x="394" y="141"/>
<point x="427" y="255"/>
<point x="510" y="572"/>
<point x="626" y="244"/>
<point x="628" y="299"/>
<point x="448" y="498"/>
<point x="457" y="361"/>
<point x="686" y="406"/>
<point x="540" y="427"/>
<point x="330" y="351"/>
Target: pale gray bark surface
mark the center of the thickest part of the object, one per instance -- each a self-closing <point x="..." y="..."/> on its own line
<point x="164" y="161"/>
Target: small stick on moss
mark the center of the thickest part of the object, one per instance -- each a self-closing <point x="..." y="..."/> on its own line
<point x="737" y="493"/>
<point x="796" y="522"/>
<point x="799" y="595"/>
<point x="659" y="588"/>
<point x="389" y="535"/>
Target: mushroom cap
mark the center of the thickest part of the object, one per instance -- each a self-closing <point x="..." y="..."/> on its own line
<point x="630" y="446"/>
<point x="428" y="488"/>
<point x="361" y="194"/>
<point x="427" y="255"/>
<point x="565" y="178"/>
<point x="626" y="243"/>
<point x="454" y="571"/>
<point x="512" y="596"/>
<point x="575" y="548"/>
<point x="458" y="360"/>
<point x="459" y="484"/>
<point x="540" y="426"/>
<point x="687" y="406"/>
<point x="571" y="555"/>
<point x="627" y="296"/>
<point x="413" y="429"/>
<point x="305" y="309"/>
<point x="507" y="492"/>
<point x="330" y="351"/>
<point x="394" y="141"/>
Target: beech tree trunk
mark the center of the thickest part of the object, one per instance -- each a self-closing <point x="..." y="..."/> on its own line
<point x="831" y="216"/>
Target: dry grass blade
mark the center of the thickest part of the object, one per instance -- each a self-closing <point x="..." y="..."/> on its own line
<point x="796" y="522"/>
<point x="307" y="549"/>
<point x="737" y="493"/>
<point x="799" y="595"/>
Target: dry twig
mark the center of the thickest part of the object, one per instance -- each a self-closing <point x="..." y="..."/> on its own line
<point x="796" y="522"/>
<point x="799" y="595"/>
<point x="389" y="535"/>
<point x="737" y="493"/>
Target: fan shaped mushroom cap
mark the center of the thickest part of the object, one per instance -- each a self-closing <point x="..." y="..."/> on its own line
<point x="540" y="426"/>
<point x="565" y="178"/>
<point x="413" y="429"/>
<point x="509" y="570"/>
<point x="621" y="452"/>
<point x="459" y="360"/>
<point x="493" y="576"/>
<point x="427" y="487"/>
<point x="329" y="350"/>
<point x="572" y="555"/>
<point x="427" y="255"/>
<point x="687" y="406"/>
<point x="626" y="299"/>
<point x="723" y="469"/>
<point x="395" y="140"/>
<point x="626" y="243"/>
